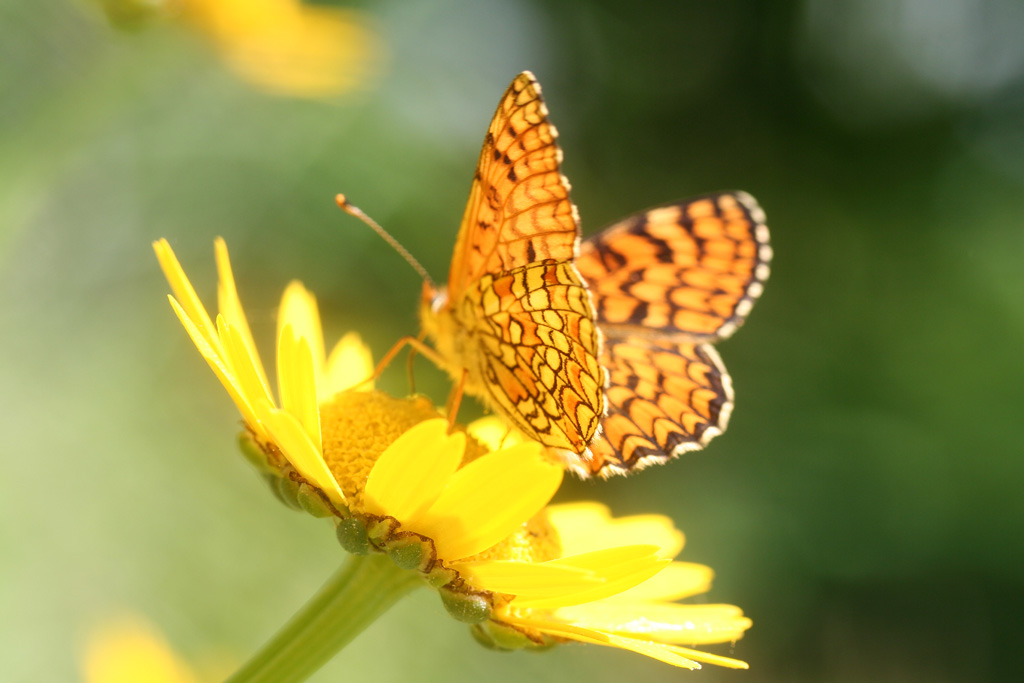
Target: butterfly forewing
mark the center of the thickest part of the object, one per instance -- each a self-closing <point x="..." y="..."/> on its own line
<point x="516" y="324"/>
<point x="692" y="268"/>
<point x="519" y="210"/>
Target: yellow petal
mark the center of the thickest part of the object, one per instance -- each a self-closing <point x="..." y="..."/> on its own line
<point x="185" y="294"/>
<point x="349" y="365"/>
<point x="677" y="580"/>
<point x="297" y="383"/>
<point x="217" y="364"/>
<point x="230" y="306"/>
<point x="489" y="498"/>
<point x="302" y="453"/>
<point x="525" y="579"/>
<point x="590" y="526"/>
<point x="412" y="472"/>
<point x="622" y="568"/>
<point x="243" y="366"/>
<point x="669" y="654"/>
<point x="665" y="622"/>
<point x="494" y="432"/>
<point x="299" y="310"/>
<point x="708" y="658"/>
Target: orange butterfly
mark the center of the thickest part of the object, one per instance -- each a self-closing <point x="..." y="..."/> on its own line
<point x="521" y="319"/>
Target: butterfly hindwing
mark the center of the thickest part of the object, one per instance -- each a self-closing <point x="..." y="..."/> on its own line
<point x="538" y="352"/>
<point x="664" y="398"/>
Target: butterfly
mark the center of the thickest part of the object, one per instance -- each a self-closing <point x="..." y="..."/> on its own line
<point x="601" y="351"/>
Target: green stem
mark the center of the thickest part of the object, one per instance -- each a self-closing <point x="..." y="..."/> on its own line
<point x="352" y="599"/>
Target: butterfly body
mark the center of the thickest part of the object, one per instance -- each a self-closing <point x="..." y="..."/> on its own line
<point x="600" y="351"/>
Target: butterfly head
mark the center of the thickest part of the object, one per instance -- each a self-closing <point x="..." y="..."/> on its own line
<point x="433" y="304"/>
<point x="433" y="298"/>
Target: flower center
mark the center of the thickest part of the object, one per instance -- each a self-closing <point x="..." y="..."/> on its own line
<point x="357" y="426"/>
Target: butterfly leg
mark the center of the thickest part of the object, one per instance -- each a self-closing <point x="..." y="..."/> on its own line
<point x="455" y="400"/>
<point x="409" y="366"/>
<point x="416" y="343"/>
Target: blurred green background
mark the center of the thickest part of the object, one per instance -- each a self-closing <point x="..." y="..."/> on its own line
<point x="864" y="508"/>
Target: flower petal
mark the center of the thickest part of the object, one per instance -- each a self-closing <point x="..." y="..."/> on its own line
<point x="217" y="364"/>
<point x="622" y="568"/>
<point x="299" y="310"/>
<point x="677" y="580"/>
<point x="665" y="622"/>
<point x="590" y="526"/>
<point x="243" y="366"/>
<point x="230" y="306"/>
<point x="294" y="442"/>
<point x="185" y="294"/>
<point x="412" y="472"/>
<point x="489" y="498"/>
<point x="494" y="432"/>
<point x="348" y="367"/>
<point x="669" y="654"/>
<point x="297" y="382"/>
<point x="526" y="579"/>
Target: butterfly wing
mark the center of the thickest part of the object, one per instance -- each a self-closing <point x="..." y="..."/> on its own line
<point x="528" y="340"/>
<point x="664" y="398"/>
<point x="666" y="282"/>
<point x="538" y="353"/>
<point x="519" y="210"/>
<point x="693" y="268"/>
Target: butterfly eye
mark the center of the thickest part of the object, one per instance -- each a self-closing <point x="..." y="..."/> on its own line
<point x="439" y="300"/>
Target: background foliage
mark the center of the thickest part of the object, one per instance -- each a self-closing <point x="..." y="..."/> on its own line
<point x="864" y="508"/>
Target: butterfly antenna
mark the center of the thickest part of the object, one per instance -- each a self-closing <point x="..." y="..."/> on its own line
<point x="354" y="210"/>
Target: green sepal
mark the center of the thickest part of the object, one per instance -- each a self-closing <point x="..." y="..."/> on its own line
<point x="273" y="482"/>
<point x="380" y="530"/>
<point x="352" y="536"/>
<point x="408" y="554"/>
<point x="311" y="501"/>
<point x="469" y="608"/>
<point x="502" y="637"/>
<point x="481" y="635"/>
<point x="440" y="576"/>
<point x="288" y="491"/>
<point x="254" y="454"/>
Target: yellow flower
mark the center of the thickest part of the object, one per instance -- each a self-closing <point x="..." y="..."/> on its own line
<point x="286" y="47"/>
<point x="128" y="649"/>
<point x="634" y="609"/>
<point x="472" y="519"/>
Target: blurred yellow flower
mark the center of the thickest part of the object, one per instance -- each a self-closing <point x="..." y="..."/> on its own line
<point x="129" y="650"/>
<point x="471" y="519"/>
<point x="285" y="47"/>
